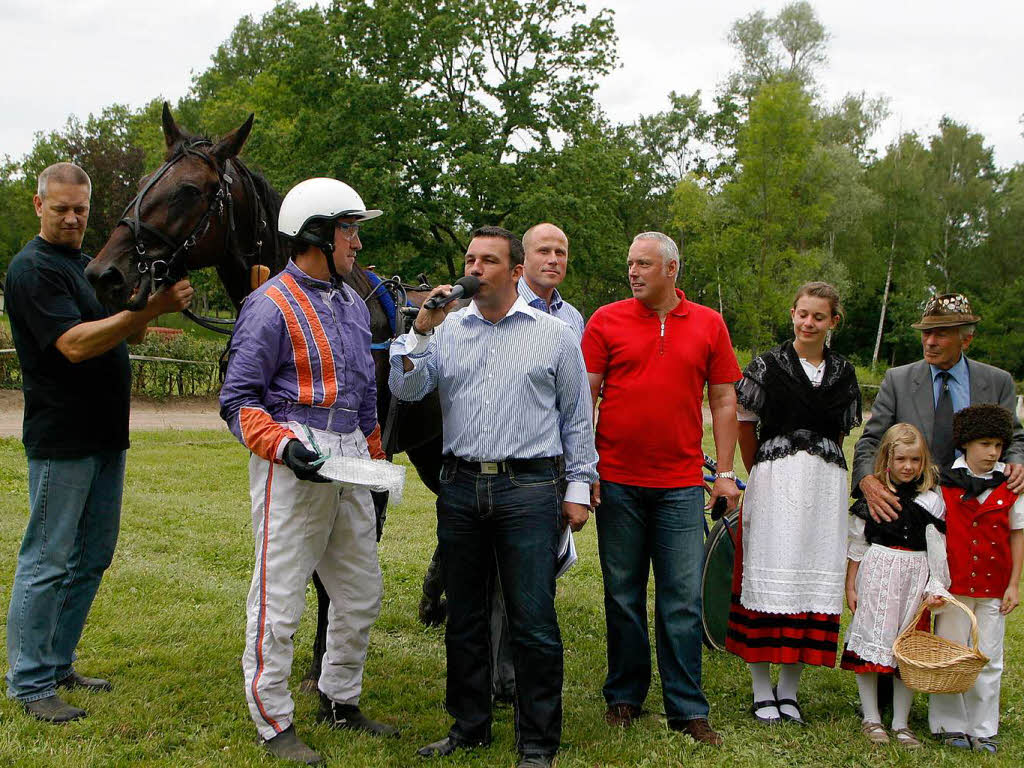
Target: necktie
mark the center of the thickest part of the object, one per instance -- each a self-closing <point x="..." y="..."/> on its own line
<point x="942" y="434"/>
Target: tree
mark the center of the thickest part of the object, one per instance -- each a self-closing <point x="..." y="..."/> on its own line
<point x="788" y="47"/>
<point x="905" y="229"/>
<point x="963" y="178"/>
<point x="18" y="222"/>
<point x="774" y="207"/>
<point x="443" y="114"/>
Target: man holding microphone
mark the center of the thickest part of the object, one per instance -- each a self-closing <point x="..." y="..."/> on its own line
<point x="519" y="461"/>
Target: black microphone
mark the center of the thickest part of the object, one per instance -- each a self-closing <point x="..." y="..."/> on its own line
<point x="464" y="288"/>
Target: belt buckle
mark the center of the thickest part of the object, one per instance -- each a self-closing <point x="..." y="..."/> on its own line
<point x="488" y="467"/>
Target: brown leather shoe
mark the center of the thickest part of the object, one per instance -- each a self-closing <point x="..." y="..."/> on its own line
<point x="75" y="680"/>
<point x="622" y="715"/>
<point x="699" y="729"/>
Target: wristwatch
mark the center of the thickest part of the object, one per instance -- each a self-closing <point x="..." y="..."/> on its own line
<point x="730" y="475"/>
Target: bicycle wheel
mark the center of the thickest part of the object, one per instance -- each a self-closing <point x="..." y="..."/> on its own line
<point x="716" y="580"/>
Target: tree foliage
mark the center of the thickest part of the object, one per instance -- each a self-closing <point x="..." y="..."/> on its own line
<point x="453" y="114"/>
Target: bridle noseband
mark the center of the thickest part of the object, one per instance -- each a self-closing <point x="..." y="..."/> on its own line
<point x="173" y="268"/>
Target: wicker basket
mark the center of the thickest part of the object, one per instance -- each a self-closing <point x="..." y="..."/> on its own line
<point x="932" y="664"/>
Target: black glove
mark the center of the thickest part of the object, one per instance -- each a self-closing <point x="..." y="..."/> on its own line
<point x="300" y="460"/>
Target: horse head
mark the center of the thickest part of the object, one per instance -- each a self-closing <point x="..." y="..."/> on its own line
<point x="177" y="221"/>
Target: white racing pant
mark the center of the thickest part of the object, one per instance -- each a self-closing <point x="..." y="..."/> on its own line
<point x="300" y="526"/>
<point x="976" y="712"/>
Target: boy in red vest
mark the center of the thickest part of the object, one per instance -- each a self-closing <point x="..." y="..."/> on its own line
<point x="985" y="546"/>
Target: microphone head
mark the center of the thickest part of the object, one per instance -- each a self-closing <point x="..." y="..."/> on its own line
<point x="470" y="285"/>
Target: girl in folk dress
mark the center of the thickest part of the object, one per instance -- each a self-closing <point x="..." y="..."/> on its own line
<point x="796" y="403"/>
<point x="892" y="567"/>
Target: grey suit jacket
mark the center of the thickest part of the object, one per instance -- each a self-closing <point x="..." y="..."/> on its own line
<point x="906" y="395"/>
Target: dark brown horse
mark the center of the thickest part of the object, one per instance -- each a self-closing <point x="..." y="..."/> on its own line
<point x="202" y="208"/>
<point x="205" y="208"/>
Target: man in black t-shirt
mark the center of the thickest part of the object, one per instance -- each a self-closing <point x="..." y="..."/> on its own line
<point x="77" y="383"/>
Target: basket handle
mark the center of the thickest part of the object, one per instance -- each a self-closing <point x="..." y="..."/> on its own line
<point x="952" y="601"/>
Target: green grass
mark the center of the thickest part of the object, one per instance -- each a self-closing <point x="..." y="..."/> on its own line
<point x="167" y="629"/>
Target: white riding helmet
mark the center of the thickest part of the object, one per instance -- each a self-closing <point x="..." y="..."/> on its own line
<point x="319" y="200"/>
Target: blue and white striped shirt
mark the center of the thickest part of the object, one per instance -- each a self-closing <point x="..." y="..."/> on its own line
<point x="515" y="389"/>
<point x="559" y="307"/>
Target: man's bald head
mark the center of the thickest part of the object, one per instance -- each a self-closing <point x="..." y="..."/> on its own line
<point x="547" y="257"/>
<point x="541" y="230"/>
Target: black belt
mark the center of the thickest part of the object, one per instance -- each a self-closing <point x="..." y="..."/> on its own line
<point x="508" y="465"/>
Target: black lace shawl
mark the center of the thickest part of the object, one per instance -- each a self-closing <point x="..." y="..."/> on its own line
<point x="908" y="529"/>
<point x="794" y="414"/>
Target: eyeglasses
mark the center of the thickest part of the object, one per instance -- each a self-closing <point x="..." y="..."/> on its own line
<point x="350" y="231"/>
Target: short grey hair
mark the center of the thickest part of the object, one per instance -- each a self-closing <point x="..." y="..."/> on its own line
<point x="666" y="246"/>
<point x="966" y="331"/>
<point x="63" y="173"/>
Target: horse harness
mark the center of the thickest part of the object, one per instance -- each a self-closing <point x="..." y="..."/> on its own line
<point x="173" y="268"/>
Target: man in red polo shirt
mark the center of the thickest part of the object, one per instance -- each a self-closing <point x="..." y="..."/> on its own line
<point x="650" y="358"/>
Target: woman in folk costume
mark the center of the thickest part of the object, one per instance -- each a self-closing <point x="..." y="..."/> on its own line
<point x="796" y="403"/>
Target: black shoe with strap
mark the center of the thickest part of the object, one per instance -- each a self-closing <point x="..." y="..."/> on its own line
<point x="75" y="680"/>
<point x="53" y="709"/>
<point x="288" y="746"/>
<point x="348" y="717"/>
<point x="757" y="706"/>
<point x="798" y="718"/>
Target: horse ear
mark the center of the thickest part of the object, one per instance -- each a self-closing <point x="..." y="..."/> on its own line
<point x="231" y="144"/>
<point x="172" y="134"/>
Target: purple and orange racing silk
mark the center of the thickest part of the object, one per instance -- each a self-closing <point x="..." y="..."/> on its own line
<point x="300" y="353"/>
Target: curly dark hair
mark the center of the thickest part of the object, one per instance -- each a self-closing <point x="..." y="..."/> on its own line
<point x="979" y="421"/>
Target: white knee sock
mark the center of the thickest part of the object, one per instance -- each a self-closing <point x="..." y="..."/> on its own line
<point x="789" y="685"/>
<point x="761" y="676"/>
<point x="902" y="699"/>
<point x="867" y="685"/>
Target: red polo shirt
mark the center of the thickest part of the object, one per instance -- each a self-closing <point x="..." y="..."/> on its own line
<point x="650" y="427"/>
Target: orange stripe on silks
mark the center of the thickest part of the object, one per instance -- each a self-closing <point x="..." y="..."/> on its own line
<point x="327" y="368"/>
<point x="303" y="368"/>
<point x="262" y="435"/>
<point x="262" y="617"/>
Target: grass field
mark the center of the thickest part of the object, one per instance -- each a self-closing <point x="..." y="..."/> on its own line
<point x="167" y="629"/>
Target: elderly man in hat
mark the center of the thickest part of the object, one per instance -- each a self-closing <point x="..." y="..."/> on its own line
<point x="927" y="394"/>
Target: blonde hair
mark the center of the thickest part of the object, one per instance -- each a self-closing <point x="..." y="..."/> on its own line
<point x="905" y="434"/>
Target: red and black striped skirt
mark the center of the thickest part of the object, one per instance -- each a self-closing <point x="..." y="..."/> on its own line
<point x="779" y="638"/>
<point x="855" y="663"/>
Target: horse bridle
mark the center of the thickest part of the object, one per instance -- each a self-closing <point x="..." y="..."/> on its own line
<point x="171" y="269"/>
<point x="174" y="268"/>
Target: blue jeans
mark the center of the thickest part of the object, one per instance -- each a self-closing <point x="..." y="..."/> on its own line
<point x="638" y="527"/>
<point x="75" y="509"/>
<point x="511" y="521"/>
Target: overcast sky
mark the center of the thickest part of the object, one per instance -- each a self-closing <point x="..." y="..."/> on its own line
<point x="929" y="57"/>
